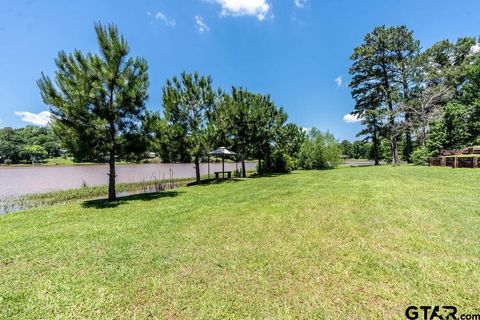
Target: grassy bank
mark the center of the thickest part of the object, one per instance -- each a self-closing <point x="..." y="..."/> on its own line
<point x="358" y="243"/>
<point x="87" y="193"/>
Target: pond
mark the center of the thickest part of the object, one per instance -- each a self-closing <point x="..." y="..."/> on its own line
<point x="16" y="181"/>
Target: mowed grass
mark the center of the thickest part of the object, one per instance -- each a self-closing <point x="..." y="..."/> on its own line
<point x="351" y="243"/>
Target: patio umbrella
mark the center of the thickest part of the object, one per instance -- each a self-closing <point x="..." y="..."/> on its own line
<point x="222" y="152"/>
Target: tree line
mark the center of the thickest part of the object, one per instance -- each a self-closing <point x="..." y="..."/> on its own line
<point x="28" y="144"/>
<point x="418" y="101"/>
<point x="98" y="107"/>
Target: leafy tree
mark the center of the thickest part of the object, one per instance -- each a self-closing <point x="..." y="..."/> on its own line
<point x="36" y="153"/>
<point x="373" y="131"/>
<point x="319" y="151"/>
<point x="189" y="102"/>
<point x="252" y="125"/>
<point x="98" y="100"/>
<point x="452" y="131"/>
<point x="233" y="123"/>
<point x="14" y="141"/>
<point x="445" y="63"/>
<point x="291" y="139"/>
<point x="347" y="148"/>
<point x="166" y="140"/>
<point x="470" y="96"/>
<point x="267" y="122"/>
<point x="10" y="145"/>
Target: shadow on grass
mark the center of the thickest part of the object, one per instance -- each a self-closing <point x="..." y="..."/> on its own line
<point x="207" y="182"/>
<point x="105" y="204"/>
<point x="267" y="175"/>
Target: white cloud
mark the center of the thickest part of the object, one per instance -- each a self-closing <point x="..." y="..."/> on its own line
<point x="350" y="118"/>
<point x="258" y="8"/>
<point x="169" y="22"/>
<point x="300" y="3"/>
<point x="201" y="25"/>
<point x="339" y="81"/>
<point x="39" y="119"/>
<point x="475" y="48"/>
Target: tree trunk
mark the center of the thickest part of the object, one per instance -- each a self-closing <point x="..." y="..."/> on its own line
<point x="408" y="138"/>
<point x="375" y="147"/>
<point x="394" y="148"/>
<point x="197" y="169"/>
<point x="408" y="134"/>
<point x="244" y="173"/>
<point x="391" y="120"/>
<point x="112" y="194"/>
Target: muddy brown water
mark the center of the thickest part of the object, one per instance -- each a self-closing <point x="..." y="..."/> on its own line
<point x="16" y="181"/>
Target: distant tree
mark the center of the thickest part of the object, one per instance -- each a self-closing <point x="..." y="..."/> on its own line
<point x="319" y="151"/>
<point x="360" y="150"/>
<point x="98" y="101"/>
<point x="254" y="127"/>
<point x="36" y="153"/>
<point x="374" y="131"/>
<point x="189" y="102"/>
<point x="168" y="141"/>
<point x="10" y="145"/>
<point x="347" y="148"/>
<point x="233" y="123"/>
<point x="13" y="142"/>
<point x="290" y="139"/>
<point x="267" y="120"/>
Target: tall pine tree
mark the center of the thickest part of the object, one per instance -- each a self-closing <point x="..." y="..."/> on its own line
<point x="98" y="100"/>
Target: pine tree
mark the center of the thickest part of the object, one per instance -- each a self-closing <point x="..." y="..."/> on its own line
<point x="97" y="100"/>
<point x="189" y="102"/>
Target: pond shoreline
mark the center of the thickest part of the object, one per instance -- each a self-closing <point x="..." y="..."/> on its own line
<point x="20" y="181"/>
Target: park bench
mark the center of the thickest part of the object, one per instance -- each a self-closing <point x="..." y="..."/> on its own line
<point x="217" y="174"/>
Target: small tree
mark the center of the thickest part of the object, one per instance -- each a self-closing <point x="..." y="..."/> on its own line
<point x="189" y="102"/>
<point x="319" y="151"/>
<point x="98" y="101"/>
<point x="267" y="122"/>
<point x="36" y="153"/>
<point x="232" y="123"/>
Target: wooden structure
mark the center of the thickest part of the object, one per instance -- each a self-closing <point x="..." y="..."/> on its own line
<point x="217" y="174"/>
<point x="221" y="152"/>
<point x="464" y="158"/>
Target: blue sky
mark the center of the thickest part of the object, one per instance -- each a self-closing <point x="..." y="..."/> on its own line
<point x="296" y="50"/>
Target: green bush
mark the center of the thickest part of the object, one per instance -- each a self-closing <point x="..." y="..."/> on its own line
<point x="319" y="151"/>
<point x="8" y="162"/>
<point x="420" y="156"/>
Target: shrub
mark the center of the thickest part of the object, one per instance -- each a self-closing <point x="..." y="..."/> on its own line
<point x="8" y="162"/>
<point x="280" y="162"/>
<point x="319" y="151"/>
<point x="420" y="156"/>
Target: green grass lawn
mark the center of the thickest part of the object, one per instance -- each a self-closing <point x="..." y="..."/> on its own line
<point x="351" y="243"/>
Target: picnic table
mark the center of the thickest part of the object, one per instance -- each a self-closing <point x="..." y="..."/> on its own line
<point x="217" y="174"/>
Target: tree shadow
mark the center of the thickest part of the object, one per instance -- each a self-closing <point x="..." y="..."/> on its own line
<point x="207" y="182"/>
<point x="105" y="204"/>
<point x="267" y="175"/>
